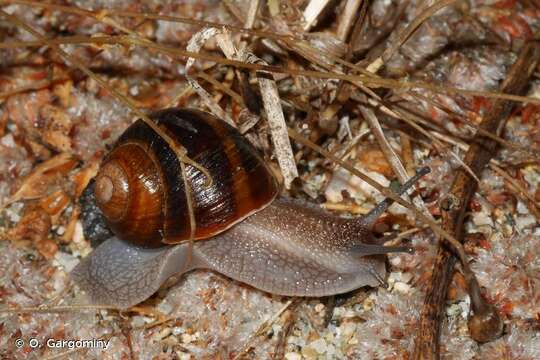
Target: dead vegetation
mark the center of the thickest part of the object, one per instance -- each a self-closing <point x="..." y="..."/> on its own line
<point x="338" y="95"/>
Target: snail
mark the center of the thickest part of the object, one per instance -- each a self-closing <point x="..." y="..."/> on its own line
<point x="244" y="229"/>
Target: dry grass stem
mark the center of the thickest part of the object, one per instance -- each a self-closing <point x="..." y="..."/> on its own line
<point x="347" y="19"/>
<point x="391" y="156"/>
<point x="370" y="81"/>
<point x="194" y="45"/>
<point x="313" y="11"/>
<point x="323" y="88"/>
<point x="385" y="191"/>
<point x="453" y="209"/>
<point x="407" y="32"/>
<point x="265" y="325"/>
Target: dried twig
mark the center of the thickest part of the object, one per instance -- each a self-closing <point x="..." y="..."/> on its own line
<point x="384" y="190"/>
<point x="368" y="80"/>
<point x="312" y="12"/>
<point x="347" y="19"/>
<point x="390" y="155"/>
<point x="407" y="32"/>
<point x="406" y="152"/>
<point x="265" y="325"/>
<point x="252" y="14"/>
<point x="289" y="319"/>
<point x="485" y="324"/>
<point x="272" y="107"/>
<point x="278" y="127"/>
<point x="194" y="45"/>
<point x="410" y="120"/>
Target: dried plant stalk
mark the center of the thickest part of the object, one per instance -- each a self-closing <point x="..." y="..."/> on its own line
<point x="278" y="127"/>
<point x="366" y="80"/>
<point x="273" y="109"/>
<point x="477" y="157"/>
<point x="385" y="191"/>
<point x="407" y="32"/>
<point x="312" y="12"/>
<point x="391" y="156"/>
<point x="194" y="45"/>
<point x="347" y="19"/>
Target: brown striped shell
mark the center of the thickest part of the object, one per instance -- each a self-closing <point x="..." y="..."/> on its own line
<point x="140" y="190"/>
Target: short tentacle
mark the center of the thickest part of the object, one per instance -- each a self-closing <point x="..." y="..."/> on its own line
<point x="372" y="249"/>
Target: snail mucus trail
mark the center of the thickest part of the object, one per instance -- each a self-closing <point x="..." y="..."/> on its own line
<point x="245" y="229"/>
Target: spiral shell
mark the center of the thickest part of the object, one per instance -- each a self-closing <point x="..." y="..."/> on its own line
<point x="141" y="193"/>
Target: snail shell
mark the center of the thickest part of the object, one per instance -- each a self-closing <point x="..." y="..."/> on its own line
<point x="140" y="190"/>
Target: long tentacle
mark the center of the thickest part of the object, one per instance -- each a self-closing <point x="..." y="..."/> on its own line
<point x="372" y="216"/>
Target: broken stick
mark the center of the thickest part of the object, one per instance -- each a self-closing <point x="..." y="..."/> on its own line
<point x="485" y="324"/>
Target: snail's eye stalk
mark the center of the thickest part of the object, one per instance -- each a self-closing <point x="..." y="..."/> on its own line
<point x="372" y="216"/>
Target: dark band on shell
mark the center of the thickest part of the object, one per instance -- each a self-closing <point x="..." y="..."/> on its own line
<point x="242" y="182"/>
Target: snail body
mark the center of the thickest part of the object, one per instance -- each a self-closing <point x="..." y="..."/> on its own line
<point x="277" y="244"/>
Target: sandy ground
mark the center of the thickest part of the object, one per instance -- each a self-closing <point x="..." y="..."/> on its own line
<point x="56" y="127"/>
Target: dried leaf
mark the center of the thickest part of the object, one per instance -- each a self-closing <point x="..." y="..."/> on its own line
<point x="47" y="248"/>
<point x="374" y="160"/>
<point x="71" y="227"/>
<point x="55" y="203"/>
<point x="58" y="128"/>
<point x="34" y="226"/>
<point x="83" y="177"/>
<point x="63" y="91"/>
<point x="44" y="178"/>
<point x="57" y="139"/>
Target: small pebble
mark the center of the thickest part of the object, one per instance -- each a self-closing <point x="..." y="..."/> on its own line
<point x="78" y="235"/>
<point x="138" y="321"/>
<point x="319" y="346"/>
<point x="482" y="218"/>
<point x="13" y="213"/>
<point x="402" y="287"/>
<point x="67" y="261"/>
<point x="187" y="338"/>
<point x="178" y="330"/>
<point x="8" y="140"/>
<point x="522" y="208"/>
<point x="453" y="310"/>
<point x="395" y="260"/>
<point x="293" y="356"/>
<point x="309" y="352"/>
<point x="524" y="222"/>
<point x="348" y="329"/>
<point x="183" y="356"/>
<point x="61" y="230"/>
